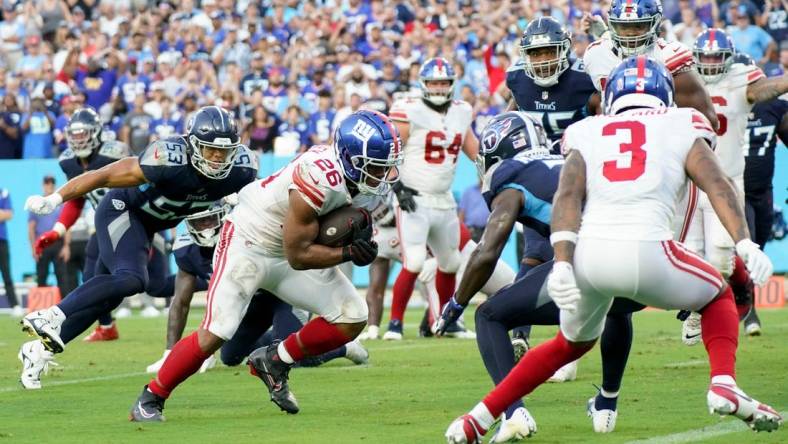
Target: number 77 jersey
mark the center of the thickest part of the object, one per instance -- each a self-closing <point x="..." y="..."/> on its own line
<point x="635" y="169"/>
<point x="432" y="148"/>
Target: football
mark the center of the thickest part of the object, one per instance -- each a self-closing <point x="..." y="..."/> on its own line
<point x="336" y="227"/>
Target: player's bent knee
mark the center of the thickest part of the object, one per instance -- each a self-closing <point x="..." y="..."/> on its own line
<point x="130" y="283"/>
<point x="231" y="358"/>
<point x="451" y="263"/>
<point x="414" y="258"/>
<point x="722" y="260"/>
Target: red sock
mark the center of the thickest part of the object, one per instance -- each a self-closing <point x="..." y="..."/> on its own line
<point x="720" y="331"/>
<point x="315" y="337"/>
<point x="403" y="288"/>
<point x="742" y="287"/>
<point x="465" y="235"/>
<point x="444" y="283"/>
<point x="740" y="277"/>
<point x="183" y="361"/>
<point x="533" y="369"/>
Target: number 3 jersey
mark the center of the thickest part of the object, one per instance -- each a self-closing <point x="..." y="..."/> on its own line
<point x="431" y="151"/>
<point x="634" y="166"/>
<point x="262" y="205"/>
<point x="109" y="152"/>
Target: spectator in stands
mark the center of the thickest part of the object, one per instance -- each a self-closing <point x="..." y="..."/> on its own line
<point x="256" y="78"/>
<point x="10" y="133"/>
<point x="473" y="211"/>
<point x="6" y="213"/>
<point x="52" y="12"/>
<point x="169" y="124"/>
<point x="320" y="121"/>
<point x="688" y="29"/>
<point x="12" y="32"/>
<point x="136" y="130"/>
<point x="295" y="127"/>
<point x="98" y="81"/>
<point x="781" y="67"/>
<point x="37" y="130"/>
<point x="132" y="83"/>
<point x="750" y="39"/>
<point x="775" y="20"/>
<point x="38" y="225"/>
<point x="260" y="133"/>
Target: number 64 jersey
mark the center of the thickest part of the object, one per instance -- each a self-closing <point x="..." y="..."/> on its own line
<point x="431" y="151"/>
<point x="635" y="170"/>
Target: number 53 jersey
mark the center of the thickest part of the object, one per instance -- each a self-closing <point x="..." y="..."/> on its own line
<point x="433" y="145"/>
<point x="635" y="170"/>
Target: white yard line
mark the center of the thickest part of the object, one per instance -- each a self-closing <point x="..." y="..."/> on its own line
<point x="694" y="363"/>
<point x="75" y="381"/>
<point x="728" y="426"/>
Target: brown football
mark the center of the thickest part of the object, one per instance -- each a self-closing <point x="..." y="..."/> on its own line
<point x="336" y="227"/>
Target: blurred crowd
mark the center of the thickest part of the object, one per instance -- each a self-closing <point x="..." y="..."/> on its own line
<point x="288" y="69"/>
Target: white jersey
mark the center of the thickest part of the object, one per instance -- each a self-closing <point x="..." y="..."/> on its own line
<point x="602" y="56"/>
<point x="432" y="148"/>
<point x="262" y="205"/>
<point x="729" y="96"/>
<point x="635" y="170"/>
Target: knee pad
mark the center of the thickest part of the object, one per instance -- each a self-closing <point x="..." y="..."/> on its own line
<point x="451" y="263"/>
<point x="353" y="311"/>
<point x="413" y="257"/>
<point x="722" y="260"/>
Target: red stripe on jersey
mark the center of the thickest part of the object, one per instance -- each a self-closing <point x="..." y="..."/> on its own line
<point x="692" y="204"/>
<point x="641" y="81"/>
<point x="221" y="258"/>
<point x="603" y="82"/>
<point x="755" y="75"/>
<point x="679" y="61"/>
<point x="689" y="262"/>
<point x="307" y="190"/>
<point x="398" y="115"/>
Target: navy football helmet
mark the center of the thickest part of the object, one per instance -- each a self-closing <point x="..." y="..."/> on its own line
<point x="212" y="128"/>
<point x="507" y="135"/>
<point x="713" y="51"/>
<point x="638" y="82"/>
<point x="369" y="151"/>
<point x="204" y="227"/>
<point x="634" y="25"/>
<point x="437" y="69"/>
<point x="83" y="132"/>
<point x="545" y="32"/>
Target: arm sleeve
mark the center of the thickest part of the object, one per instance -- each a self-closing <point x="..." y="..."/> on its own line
<point x="71" y="211"/>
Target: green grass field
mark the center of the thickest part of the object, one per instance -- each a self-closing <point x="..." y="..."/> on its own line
<point x="408" y="394"/>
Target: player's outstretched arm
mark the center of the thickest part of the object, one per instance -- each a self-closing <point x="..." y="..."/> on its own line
<point x="568" y="204"/>
<point x="690" y="93"/>
<point x="470" y="146"/>
<point x="299" y="233"/>
<point x="481" y="264"/>
<point x="764" y="90"/>
<point x="179" y="308"/>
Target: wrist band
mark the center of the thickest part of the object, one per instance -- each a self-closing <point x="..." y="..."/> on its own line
<point x="560" y="236"/>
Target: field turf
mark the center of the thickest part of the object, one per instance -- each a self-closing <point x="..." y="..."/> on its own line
<point x="408" y="394"/>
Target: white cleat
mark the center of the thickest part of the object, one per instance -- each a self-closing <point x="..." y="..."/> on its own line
<point x="371" y="334"/>
<point x="356" y="353"/>
<point x="521" y="347"/>
<point x="392" y="336"/>
<point x="208" y="364"/>
<point x="150" y="312"/>
<point x="753" y="329"/>
<point x="604" y="420"/>
<point x="726" y="399"/>
<point x="35" y="359"/>
<point x="520" y="426"/>
<point x="46" y="326"/>
<point x="464" y="430"/>
<point x="565" y="374"/>
<point x="122" y="313"/>
<point x="690" y="329"/>
<point x="154" y="368"/>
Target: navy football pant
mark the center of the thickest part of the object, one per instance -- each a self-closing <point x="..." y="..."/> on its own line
<point x="537" y="247"/>
<point x="760" y="215"/>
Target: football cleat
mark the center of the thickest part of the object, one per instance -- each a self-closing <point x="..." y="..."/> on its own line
<point x="728" y="399"/>
<point x="356" y="353"/>
<point x="372" y="334"/>
<point x="521" y="346"/>
<point x="122" y="313"/>
<point x="102" y="333"/>
<point x="45" y="325"/>
<point x="464" y="430"/>
<point x="520" y="426"/>
<point x="690" y="329"/>
<point x="424" y="327"/>
<point x="604" y="420"/>
<point x="752" y="325"/>
<point x="148" y="407"/>
<point x="35" y="359"/>
<point x="150" y="312"/>
<point x="208" y="364"/>
<point x="458" y="330"/>
<point x="394" y="332"/>
<point x="266" y="365"/>
<point x="154" y="368"/>
<point x="565" y="374"/>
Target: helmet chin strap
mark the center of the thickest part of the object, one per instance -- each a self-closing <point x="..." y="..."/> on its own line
<point x="439" y="108"/>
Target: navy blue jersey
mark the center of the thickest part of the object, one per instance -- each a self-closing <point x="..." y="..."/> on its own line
<point x="537" y="179"/>
<point x="557" y="106"/>
<point x="175" y="189"/>
<point x="109" y="152"/>
<point x="192" y="258"/>
<point x="763" y="128"/>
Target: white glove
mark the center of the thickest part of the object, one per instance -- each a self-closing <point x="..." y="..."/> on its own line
<point x="428" y="270"/>
<point x="562" y="288"/>
<point x="758" y="263"/>
<point x="231" y="199"/>
<point x="43" y="205"/>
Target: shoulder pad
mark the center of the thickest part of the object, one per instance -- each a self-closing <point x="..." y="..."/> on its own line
<point x="114" y="149"/>
<point x="578" y="65"/>
<point x="182" y="241"/>
<point x="520" y="64"/>
<point x="65" y="155"/>
<point x="246" y="158"/>
<point x="165" y="152"/>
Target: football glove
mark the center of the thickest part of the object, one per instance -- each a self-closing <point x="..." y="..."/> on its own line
<point x="362" y="249"/>
<point x="449" y="315"/>
<point x="43" y="204"/>
<point x="562" y="288"/>
<point x="405" y="196"/>
<point x="758" y="263"/>
<point x="46" y="239"/>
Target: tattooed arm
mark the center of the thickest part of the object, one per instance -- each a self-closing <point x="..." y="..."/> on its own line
<point x="703" y="167"/>
<point x="568" y="203"/>
<point x="767" y="89"/>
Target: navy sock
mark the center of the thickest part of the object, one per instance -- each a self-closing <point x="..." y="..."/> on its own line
<point x="105" y="319"/>
<point x="78" y="322"/>
<point x="603" y="403"/>
<point x="615" y="344"/>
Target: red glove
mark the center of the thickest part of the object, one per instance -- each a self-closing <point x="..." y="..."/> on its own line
<point x="45" y="240"/>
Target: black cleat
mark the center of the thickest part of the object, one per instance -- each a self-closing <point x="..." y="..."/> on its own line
<point x="147" y="408"/>
<point x="266" y="365"/>
<point x="424" y="328"/>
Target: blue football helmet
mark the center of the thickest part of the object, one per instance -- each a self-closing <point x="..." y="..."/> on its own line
<point x="437" y="68"/>
<point x="204" y="227"/>
<point x="368" y="148"/>
<point x="638" y="82"/>
<point x="634" y="25"/>
<point x="510" y="134"/>
<point x="545" y="32"/>
<point x="214" y="128"/>
<point x="713" y="51"/>
<point x="83" y="132"/>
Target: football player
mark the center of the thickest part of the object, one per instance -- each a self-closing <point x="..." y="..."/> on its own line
<point x="734" y="89"/>
<point x="520" y="179"/>
<point x="172" y="178"/>
<point x="268" y="242"/>
<point x="434" y="129"/>
<point x="624" y="210"/>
